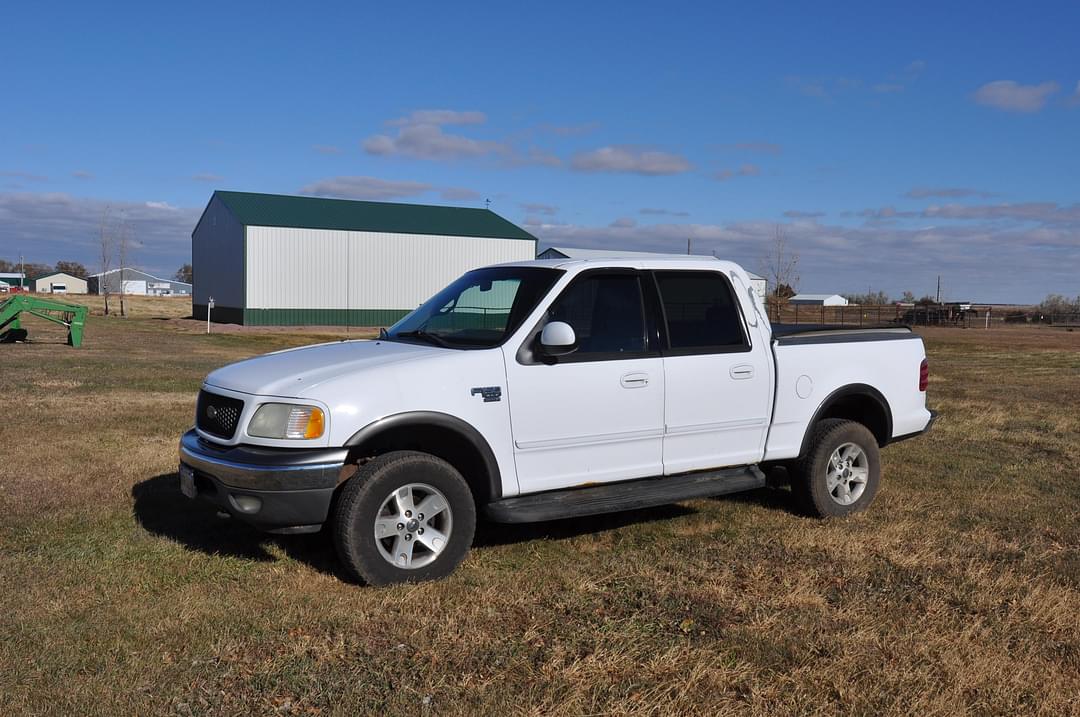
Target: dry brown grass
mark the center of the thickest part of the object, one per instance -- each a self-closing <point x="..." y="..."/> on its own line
<point x="957" y="593"/>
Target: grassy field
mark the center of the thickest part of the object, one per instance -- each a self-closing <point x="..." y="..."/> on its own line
<point x="959" y="591"/>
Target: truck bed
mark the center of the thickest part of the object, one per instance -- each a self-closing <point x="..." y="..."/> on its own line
<point x="801" y="334"/>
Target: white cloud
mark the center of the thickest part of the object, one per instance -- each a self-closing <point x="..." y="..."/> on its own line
<point x="365" y="188"/>
<point x="545" y="209"/>
<point x="756" y="147"/>
<point x="1074" y="98"/>
<point x="630" y="160"/>
<point x="663" y="212"/>
<point x="948" y="192"/>
<point x="623" y="223"/>
<point x="797" y="214"/>
<point x="459" y="194"/>
<point x="26" y="176"/>
<point x="51" y="226"/>
<point x="842" y="258"/>
<point x="1042" y="212"/>
<point x="420" y="135"/>
<point x="746" y="170"/>
<point x="570" y="130"/>
<point x="1011" y="96"/>
<point x="438" y="117"/>
<point x="428" y="141"/>
<point x="82" y="174"/>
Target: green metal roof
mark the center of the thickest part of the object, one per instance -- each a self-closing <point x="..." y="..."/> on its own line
<point x="278" y="210"/>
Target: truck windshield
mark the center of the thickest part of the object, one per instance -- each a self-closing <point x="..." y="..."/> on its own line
<point x="479" y="310"/>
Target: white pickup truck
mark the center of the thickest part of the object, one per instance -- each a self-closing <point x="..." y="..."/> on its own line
<point x="545" y="390"/>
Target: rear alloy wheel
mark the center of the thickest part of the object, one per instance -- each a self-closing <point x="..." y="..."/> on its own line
<point x="841" y="471"/>
<point x="404" y="517"/>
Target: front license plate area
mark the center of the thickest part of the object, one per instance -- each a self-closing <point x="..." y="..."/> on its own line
<point x="187" y="481"/>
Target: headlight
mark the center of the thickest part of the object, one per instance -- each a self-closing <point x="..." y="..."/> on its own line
<point x="283" y="420"/>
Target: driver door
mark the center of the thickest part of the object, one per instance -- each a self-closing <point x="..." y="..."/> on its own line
<point x="595" y="415"/>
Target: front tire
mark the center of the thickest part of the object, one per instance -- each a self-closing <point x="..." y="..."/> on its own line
<point x="404" y="517"/>
<point x="841" y="471"/>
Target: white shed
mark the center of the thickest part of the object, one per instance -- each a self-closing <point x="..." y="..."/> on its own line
<point x="818" y="300"/>
<point x="269" y="259"/>
<point x="59" y="283"/>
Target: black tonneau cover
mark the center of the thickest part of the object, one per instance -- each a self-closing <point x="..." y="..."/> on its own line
<point x="800" y="334"/>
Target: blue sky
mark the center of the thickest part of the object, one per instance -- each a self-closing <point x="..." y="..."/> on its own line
<point x="889" y="142"/>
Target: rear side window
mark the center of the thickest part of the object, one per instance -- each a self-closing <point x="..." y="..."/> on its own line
<point x="701" y="312"/>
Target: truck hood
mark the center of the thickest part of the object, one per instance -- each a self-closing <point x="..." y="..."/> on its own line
<point x="294" y="372"/>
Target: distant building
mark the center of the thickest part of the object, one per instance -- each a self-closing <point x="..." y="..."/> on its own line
<point x="59" y="282"/>
<point x="136" y="283"/>
<point x="270" y="259"/>
<point x="818" y="300"/>
<point x="758" y="283"/>
<point x="15" y="279"/>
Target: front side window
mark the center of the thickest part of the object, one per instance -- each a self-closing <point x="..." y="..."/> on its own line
<point x="478" y="310"/>
<point x="606" y="314"/>
<point x="701" y="311"/>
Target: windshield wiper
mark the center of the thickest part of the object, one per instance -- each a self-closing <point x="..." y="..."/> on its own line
<point x="423" y="336"/>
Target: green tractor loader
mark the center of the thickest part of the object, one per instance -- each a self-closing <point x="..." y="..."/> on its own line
<point x="12" y="308"/>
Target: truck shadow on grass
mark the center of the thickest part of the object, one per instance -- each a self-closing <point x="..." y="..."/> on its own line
<point x="160" y="509"/>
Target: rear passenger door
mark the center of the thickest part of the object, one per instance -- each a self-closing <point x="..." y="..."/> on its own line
<point x="717" y="381"/>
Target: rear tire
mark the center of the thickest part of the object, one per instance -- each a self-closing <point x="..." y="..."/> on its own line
<point x="841" y="471"/>
<point x="404" y="517"/>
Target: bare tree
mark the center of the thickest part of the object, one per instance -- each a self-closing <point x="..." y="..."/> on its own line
<point x="106" y="237"/>
<point x="122" y="256"/>
<point x="780" y="265"/>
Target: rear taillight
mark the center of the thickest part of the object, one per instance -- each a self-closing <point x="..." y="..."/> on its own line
<point x="924" y="375"/>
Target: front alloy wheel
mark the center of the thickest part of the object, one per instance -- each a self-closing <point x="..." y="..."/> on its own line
<point x="413" y="526"/>
<point x="404" y="517"/>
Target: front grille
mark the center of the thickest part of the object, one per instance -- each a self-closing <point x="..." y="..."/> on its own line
<point x="218" y="415"/>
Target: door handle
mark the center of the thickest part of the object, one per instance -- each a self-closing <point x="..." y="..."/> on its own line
<point x="743" y="370"/>
<point x="634" y="380"/>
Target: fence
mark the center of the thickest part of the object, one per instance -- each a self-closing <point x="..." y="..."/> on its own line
<point x="960" y="316"/>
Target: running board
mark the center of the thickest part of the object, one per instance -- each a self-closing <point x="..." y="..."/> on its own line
<point x="627" y="495"/>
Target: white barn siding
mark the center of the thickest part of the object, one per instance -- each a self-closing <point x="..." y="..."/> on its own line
<point x="290" y="268"/>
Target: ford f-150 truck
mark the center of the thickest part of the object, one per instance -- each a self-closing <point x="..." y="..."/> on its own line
<point x="545" y="390"/>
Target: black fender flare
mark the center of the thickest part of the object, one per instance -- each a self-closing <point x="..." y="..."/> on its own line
<point x="861" y="390"/>
<point x="440" y="420"/>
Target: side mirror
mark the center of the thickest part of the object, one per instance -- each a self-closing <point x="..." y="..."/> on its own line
<point x="558" y="339"/>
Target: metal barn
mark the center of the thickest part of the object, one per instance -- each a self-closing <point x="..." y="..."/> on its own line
<point x="136" y="283"/>
<point x="269" y="259"/>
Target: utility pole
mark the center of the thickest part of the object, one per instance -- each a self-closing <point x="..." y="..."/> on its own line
<point x="22" y="272"/>
<point x="939" y="288"/>
<point x="687" y="245"/>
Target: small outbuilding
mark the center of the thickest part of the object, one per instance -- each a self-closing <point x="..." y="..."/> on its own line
<point x="15" y="280"/>
<point x="758" y="283"/>
<point x="59" y="282"/>
<point x="136" y="283"/>
<point x="818" y="300"/>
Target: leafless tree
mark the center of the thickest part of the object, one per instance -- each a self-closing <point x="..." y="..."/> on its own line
<point x="780" y="264"/>
<point x="122" y="256"/>
<point x="106" y="236"/>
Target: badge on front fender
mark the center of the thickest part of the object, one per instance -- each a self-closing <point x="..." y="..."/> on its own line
<point x="490" y="393"/>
